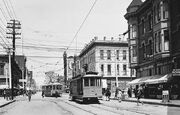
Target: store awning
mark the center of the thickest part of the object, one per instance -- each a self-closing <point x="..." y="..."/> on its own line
<point x="3" y="86"/>
<point x="159" y="79"/>
<point x="151" y="79"/>
<point x="134" y="82"/>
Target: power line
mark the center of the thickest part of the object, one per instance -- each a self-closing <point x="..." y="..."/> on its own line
<point x="8" y="10"/>
<point x="4" y="14"/>
<point x="12" y="9"/>
<point x="82" y="24"/>
<point x="35" y="56"/>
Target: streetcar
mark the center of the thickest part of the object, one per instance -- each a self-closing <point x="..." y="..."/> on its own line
<point x="86" y="87"/>
<point x="53" y="89"/>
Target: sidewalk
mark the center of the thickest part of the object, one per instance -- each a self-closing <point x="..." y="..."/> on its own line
<point x="4" y="102"/>
<point x="174" y="103"/>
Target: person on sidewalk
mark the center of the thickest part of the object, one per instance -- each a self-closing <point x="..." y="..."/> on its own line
<point x="119" y="95"/>
<point x="29" y="95"/>
<point x="108" y="95"/>
<point x="42" y="94"/>
<point x="4" y="93"/>
<point x="139" y="95"/>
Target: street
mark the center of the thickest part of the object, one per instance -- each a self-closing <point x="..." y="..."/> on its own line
<point x="62" y="106"/>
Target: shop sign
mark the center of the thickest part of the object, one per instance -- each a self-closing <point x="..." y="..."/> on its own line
<point x="176" y="72"/>
<point x="165" y="92"/>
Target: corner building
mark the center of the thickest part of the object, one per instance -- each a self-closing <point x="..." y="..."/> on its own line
<point x="151" y="43"/>
<point x="110" y="59"/>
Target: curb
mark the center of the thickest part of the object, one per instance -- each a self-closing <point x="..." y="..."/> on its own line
<point x="7" y="103"/>
<point x="154" y="103"/>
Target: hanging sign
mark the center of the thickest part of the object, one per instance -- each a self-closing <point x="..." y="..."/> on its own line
<point x="176" y="72"/>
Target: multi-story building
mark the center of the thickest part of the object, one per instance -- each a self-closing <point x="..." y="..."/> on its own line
<point x="110" y="59"/>
<point x="151" y="42"/>
<point x="18" y="68"/>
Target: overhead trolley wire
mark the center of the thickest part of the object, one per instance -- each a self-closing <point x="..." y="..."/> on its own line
<point x="82" y="24"/>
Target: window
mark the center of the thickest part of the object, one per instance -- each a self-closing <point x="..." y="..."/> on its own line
<point x="108" y="54"/>
<point x="86" y="82"/>
<point x="124" y="69"/>
<point x="117" y="69"/>
<point x="102" y="69"/>
<point x="124" y="54"/>
<point x="150" y="22"/>
<point x="159" y="11"/>
<point x="134" y="32"/>
<point x="144" y="50"/>
<point x="101" y="54"/>
<point x="165" y="10"/>
<point x="59" y="87"/>
<point x="92" y="81"/>
<point x="134" y="51"/>
<point x="109" y="69"/>
<point x="1" y="69"/>
<point x="117" y="54"/>
<point x="159" y="42"/>
<point x="156" y="42"/>
<point x="142" y="26"/>
<point x="132" y="70"/>
<point x="166" y="40"/>
<point x="150" y="48"/>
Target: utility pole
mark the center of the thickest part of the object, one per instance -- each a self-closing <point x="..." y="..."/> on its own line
<point x="65" y="67"/>
<point x="13" y="25"/>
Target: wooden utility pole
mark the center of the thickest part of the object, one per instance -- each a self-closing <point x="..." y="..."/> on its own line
<point x="13" y="25"/>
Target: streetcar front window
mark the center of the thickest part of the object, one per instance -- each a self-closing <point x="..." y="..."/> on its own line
<point x="92" y="81"/>
<point x="86" y="82"/>
<point x="59" y="87"/>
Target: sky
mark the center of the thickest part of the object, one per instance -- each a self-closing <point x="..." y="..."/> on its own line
<point x="54" y="23"/>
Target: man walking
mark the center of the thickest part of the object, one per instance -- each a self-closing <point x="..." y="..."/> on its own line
<point x="139" y="95"/>
<point x="29" y="95"/>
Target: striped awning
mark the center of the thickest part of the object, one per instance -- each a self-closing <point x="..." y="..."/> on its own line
<point x="151" y="79"/>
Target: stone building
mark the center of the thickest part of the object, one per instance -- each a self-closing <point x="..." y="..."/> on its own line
<point x="110" y="59"/>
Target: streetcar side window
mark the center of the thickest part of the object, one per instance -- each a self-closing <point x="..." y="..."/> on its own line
<point x="86" y="82"/>
<point x="49" y="87"/>
<point x="98" y="82"/>
<point x="54" y="87"/>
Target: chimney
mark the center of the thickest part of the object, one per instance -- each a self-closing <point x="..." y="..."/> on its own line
<point x="95" y="38"/>
<point x="104" y="38"/>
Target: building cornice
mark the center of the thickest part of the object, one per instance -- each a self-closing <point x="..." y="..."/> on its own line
<point x="94" y="43"/>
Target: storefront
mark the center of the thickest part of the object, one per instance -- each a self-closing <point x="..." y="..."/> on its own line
<point x="153" y="86"/>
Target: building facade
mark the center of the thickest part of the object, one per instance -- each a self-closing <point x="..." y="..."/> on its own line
<point x="110" y="59"/>
<point x="18" y="68"/>
<point x="150" y="33"/>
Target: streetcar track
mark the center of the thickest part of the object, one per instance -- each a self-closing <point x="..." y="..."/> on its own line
<point x="93" y="107"/>
<point x="131" y="110"/>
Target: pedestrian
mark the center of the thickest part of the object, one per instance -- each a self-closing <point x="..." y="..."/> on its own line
<point x="119" y="95"/>
<point x="29" y="95"/>
<point x="129" y="92"/>
<point x="108" y="94"/>
<point x="42" y="93"/>
<point x="139" y="95"/>
<point x="4" y="93"/>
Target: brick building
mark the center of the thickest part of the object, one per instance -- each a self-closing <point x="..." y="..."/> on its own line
<point x="153" y="42"/>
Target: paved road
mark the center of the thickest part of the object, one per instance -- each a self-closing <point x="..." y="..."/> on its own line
<point x="62" y="106"/>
